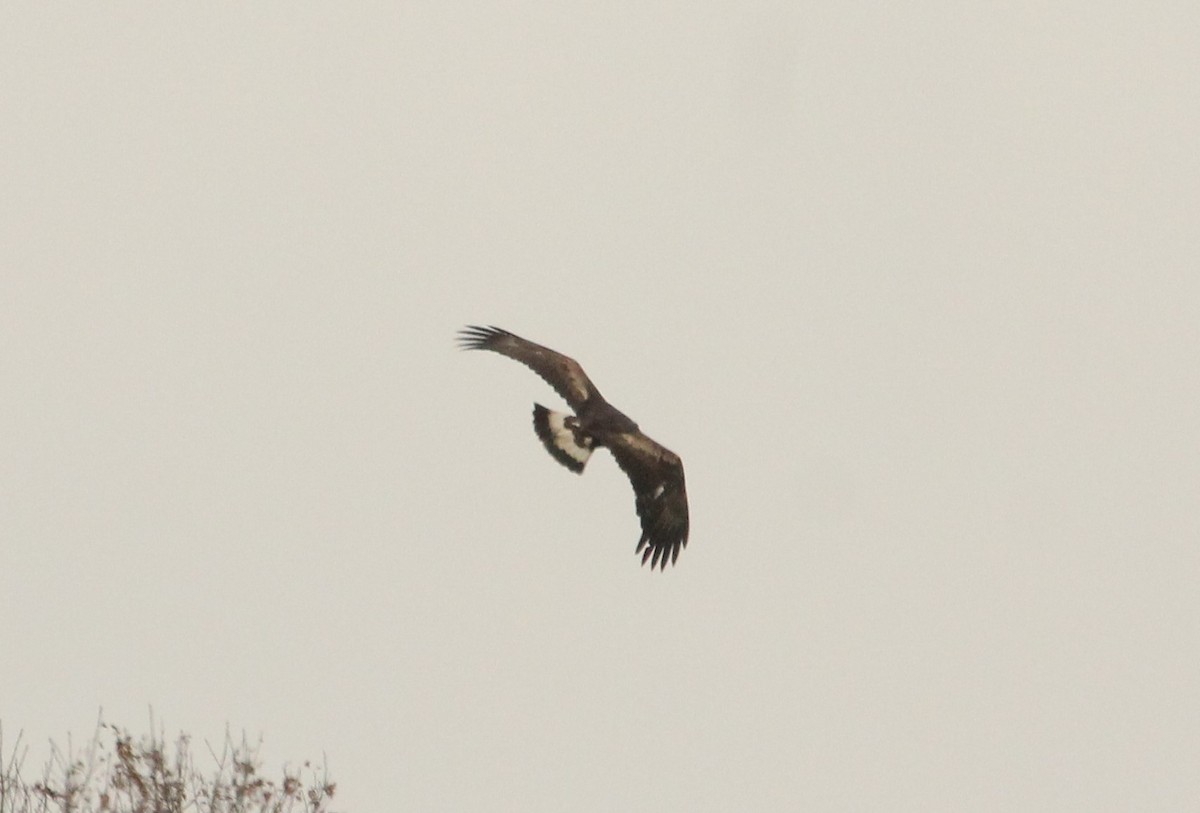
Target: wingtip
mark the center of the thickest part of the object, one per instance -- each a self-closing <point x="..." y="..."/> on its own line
<point x="659" y="556"/>
<point x="478" y="337"/>
<point x="472" y="337"/>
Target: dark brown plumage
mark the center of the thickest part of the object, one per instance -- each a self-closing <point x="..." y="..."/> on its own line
<point x="655" y="471"/>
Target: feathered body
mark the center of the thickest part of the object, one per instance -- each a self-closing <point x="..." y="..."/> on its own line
<point x="655" y="472"/>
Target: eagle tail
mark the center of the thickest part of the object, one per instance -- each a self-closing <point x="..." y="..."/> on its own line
<point x="554" y="430"/>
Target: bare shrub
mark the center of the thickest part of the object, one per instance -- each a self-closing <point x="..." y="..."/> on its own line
<point x="116" y="773"/>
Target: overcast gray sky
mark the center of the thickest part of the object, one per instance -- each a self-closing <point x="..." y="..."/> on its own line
<point x="912" y="288"/>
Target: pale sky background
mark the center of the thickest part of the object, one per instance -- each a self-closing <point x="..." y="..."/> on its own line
<point x="913" y="289"/>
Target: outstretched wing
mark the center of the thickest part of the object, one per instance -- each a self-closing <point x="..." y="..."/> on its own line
<point x="661" y="496"/>
<point x="559" y="371"/>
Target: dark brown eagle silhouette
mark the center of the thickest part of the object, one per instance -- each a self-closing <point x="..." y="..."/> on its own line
<point x="655" y="471"/>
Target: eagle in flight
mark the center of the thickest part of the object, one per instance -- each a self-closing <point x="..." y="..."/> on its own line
<point x="655" y="471"/>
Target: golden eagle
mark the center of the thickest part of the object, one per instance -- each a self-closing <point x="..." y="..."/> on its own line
<point x="655" y="471"/>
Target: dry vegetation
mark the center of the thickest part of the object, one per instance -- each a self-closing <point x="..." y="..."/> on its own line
<point x="117" y="773"/>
